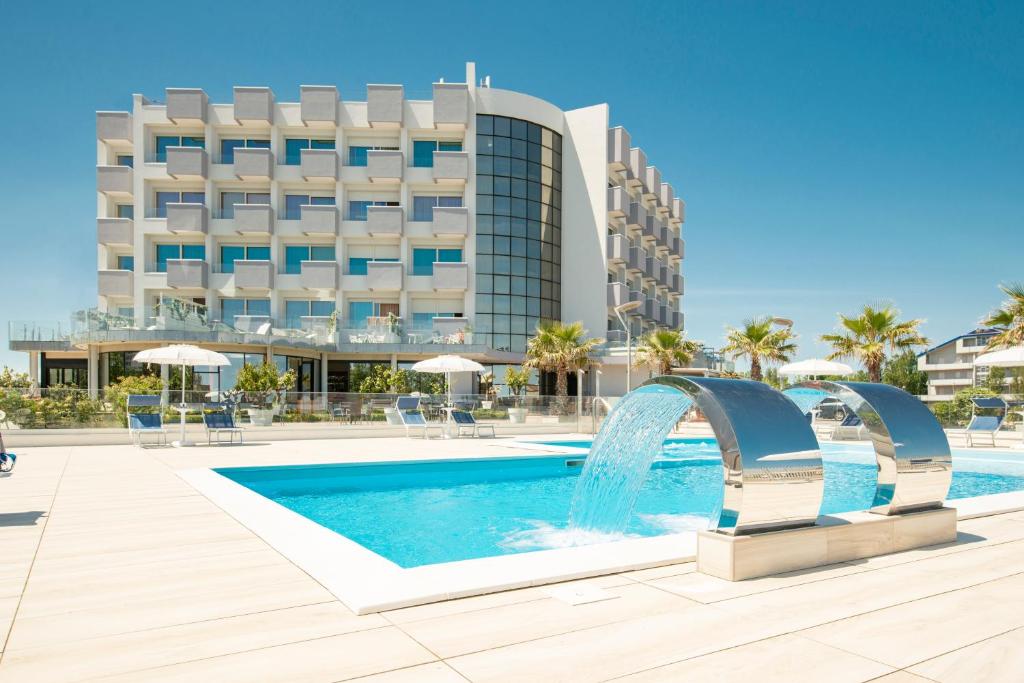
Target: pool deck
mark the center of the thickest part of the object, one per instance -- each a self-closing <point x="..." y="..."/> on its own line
<point x="112" y="567"/>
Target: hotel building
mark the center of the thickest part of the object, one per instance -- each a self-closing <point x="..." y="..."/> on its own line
<point x="325" y="233"/>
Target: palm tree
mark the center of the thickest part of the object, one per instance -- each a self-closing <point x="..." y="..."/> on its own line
<point x="560" y="348"/>
<point x="758" y="341"/>
<point x="1009" y="316"/>
<point x="661" y="350"/>
<point x="867" y="337"/>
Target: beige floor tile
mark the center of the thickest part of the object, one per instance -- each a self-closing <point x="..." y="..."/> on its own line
<point x="901" y="677"/>
<point x="166" y="646"/>
<point x="919" y="630"/>
<point x="325" y="659"/>
<point x="708" y="589"/>
<point x="996" y="660"/>
<point x="785" y="659"/>
<point x="437" y="672"/>
<point x="661" y="572"/>
<point x="489" y="628"/>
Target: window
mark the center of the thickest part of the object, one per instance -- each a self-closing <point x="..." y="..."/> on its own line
<point x="165" y="141"/>
<point x="125" y="211"/>
<point x="357" y="264"/>
<point x="126" y="263"/>
<point x="423" y="260"/>
<point x="293" y="204"/>
<point x="296" y="309"/>
<point x="228" y="147"/>
<point x="359" y="311"/>
<point x="165" y="198"/>
<point x="357" y="153"/>
<point x="229" y="308"/>
<point x="126" y="311"/>
<point x="229" y="199"/>
<point x="423" y="151"/>
<point x="293" y="148"/>
<point x="357" y="208"/>
<point x="423" y="206"/>
<point x="230" y="253"/>
<point x="295" y="255"/>
<point x="166" y="252"/>
<point x="125" y="160"/>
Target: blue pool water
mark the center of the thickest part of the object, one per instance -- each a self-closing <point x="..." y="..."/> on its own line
<point x="428" y="512"/>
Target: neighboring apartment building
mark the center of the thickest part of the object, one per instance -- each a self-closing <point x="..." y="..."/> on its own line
<point x="327" y="233"/>
<point x="950" y="365"/>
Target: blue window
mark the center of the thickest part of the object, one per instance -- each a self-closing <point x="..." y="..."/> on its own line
<point x="126" y="263"/>
<point x="357" y="156"/>
<point x="125" y="160"/>
<point x="293" y="204"/>
<point x="295" y="255"/>
<point x="229" y="308"/>
<point x="258" y="307"/>
<point x="422" y="321"/>
<point x="423" y="206"/>
<point x="357" y="265"/>
<point x="293" y="148"/>
<point x="359" y="311"/>
<point x="357" y="210"/>
<point x="165" y="141"/>
<point x="228" y="147"/>
<point x="423" y="260"/>
<point x="423" y="151"/>
<point x="125" y="211"/>
<point x="126" y="311"/>
<point x="165" y="252"/>
<point x="229" y="199"/>
<point x="257" y="253"/>
<point x="231" y="253"/>
<point x="165" y="198"/>
<point x="295" y="310"/>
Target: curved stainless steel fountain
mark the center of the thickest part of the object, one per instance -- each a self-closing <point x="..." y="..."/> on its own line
<point x="915" y="466"/>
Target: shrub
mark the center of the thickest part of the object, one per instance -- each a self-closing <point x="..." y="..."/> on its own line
<point x="117" y="393"/>
<point x="263" y="383"/>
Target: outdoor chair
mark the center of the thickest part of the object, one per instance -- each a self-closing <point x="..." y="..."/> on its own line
<point x="851" y="427"/>
<point x="141" y="424"/>
<point x="464" y="420"/>
<point x="985" y="424"/>
<point x="413" y="420"/>
<point x="221" y="422"/>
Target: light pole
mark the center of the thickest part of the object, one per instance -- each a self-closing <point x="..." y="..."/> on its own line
<point x="619" y="310"/>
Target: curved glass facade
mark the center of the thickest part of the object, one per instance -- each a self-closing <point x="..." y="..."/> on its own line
<point x="518" y="230"/>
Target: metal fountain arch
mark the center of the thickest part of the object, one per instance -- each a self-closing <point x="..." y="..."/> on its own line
<point x="915" y="466"/>
<point x="771" y="461"/>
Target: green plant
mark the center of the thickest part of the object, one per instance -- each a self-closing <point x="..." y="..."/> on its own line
<point x="560" y="348"/>
<point x="383" y="379"/>
<point x="661" y="350"/>
<point x="774" y="379"/>
<point x="958" y="412"/>
<point x="758" y="341"/>
<point x="901" y="371"/>
<point x="996" y="380"/>
<point x="117" y="393"/>
<point x="9" y="379"/>
<point x="869" y="334"/>
<point x="1009" y="316"/>
<point x="517" y="380"/>
<point x="263" y="383"/>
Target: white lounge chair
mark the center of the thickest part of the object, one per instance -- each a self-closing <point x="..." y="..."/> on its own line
<point x="985" y="425"/>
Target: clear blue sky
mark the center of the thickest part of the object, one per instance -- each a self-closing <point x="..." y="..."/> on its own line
<point x="830" y="153"/>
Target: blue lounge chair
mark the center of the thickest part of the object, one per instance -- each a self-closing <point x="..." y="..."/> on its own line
<point x="7" y="460"/>
<point x="464" y="420"/>
<point x="413" y="420"/>
<point x="220" y="422"/>
<point x="140" y="424"/>
<point x="985" y="425"/>
<point x="852" y="427"/>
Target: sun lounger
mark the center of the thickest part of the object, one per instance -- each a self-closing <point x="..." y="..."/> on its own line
<point x="413" y="420"/>
<point x="464" y="420"/>
<point x="983" y="425"/>
<point x="852" y="427"/>
<point x="141" y="424"/>
<point x="221" y="422"/>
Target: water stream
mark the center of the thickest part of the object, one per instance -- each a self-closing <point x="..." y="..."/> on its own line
<point x="621" y="456"/>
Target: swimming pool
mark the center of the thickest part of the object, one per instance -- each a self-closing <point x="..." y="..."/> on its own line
<point x="423" y="513"/>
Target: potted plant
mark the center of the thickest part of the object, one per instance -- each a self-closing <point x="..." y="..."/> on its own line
<point x="263" y="386"/>
<point x="517" y="380"/>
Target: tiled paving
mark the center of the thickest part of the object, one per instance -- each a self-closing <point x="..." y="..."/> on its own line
<point x="112" y="568"/>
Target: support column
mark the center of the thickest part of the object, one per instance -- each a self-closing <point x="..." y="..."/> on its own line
<point x="323" y="381"/>
<point x="33" y="368"/>
<point x="93" y="369"/>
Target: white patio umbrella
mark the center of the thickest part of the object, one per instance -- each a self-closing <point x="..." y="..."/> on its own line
<point x="448" y="364"/>
<point x="814" y="367"/>
<point x="183" y="355"/>
<point x="1011" y="357"/>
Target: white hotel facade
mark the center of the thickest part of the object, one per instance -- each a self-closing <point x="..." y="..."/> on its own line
<point x="326" y="233"/>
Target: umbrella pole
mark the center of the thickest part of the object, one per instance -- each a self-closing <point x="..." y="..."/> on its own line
<point x="182" y="405"/>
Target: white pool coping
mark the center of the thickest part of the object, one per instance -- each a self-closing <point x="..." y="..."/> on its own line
<point x="367" y="582"/>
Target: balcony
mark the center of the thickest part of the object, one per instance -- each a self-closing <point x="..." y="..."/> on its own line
<point x="317" y="219"/>
<point x="652" y="183"/>
<point x="451" y="276"/>
<point x="651" y="309"/>
<point x="115" y="232"/>
<point x="187" y="274"/>
<point x="186" y="105"/>
<point x="185" y="218"/>
<point x="676" y="320"/>
<point x="385" y="221"/>
<point x="618" y="149"/>
<point x="186" y="163"/>
<point x="383" y="276"/>
<point x="319" y="275"/>
<point x="678" y="210"/>
<point x="451" y="105"/>
<point x="664" y="315"/>
<point x="384" y="166"/>
<point x="319" y="164"/>
<point x="618" y="248"/>
<point x="650" y="228"/>
<point x="451" y="168"/>
<point x="115" y="181"/>
<point x="618" y="294"/>
<point x="384" y="105"/>
<point x="651" y="267"/>
<point x="114" y="126"/>
<point x="254" y="105"/>
<point x="252" y="163"/>
<point x="618" y="202"/>
<point x="637" y="259"/>
<point x="116" y="283"/>
<point x="665" y="193"/>
<point x="318" y="105"/>
<point x="637" y="216"/>
<point x="450" y="221"/>
<point x="664" y="276"/>
<point x="254" y="275"/>
<point x="254" y="219"/>
<point x="677" y="283"/>
<point x="637" y="175"/>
